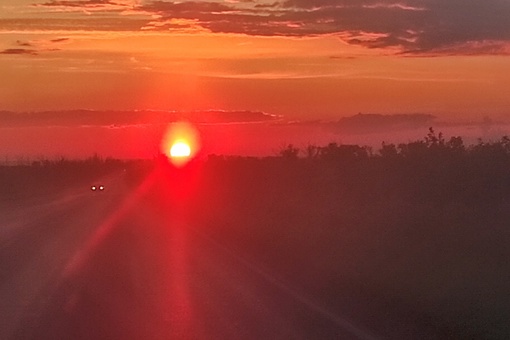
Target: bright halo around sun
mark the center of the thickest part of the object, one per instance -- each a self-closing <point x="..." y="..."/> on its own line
<point x="180" y="143"/>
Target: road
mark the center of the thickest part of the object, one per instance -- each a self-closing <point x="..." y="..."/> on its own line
<point x="112" y="265"/>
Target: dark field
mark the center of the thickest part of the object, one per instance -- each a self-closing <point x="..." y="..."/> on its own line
<point x="410" y="242"/>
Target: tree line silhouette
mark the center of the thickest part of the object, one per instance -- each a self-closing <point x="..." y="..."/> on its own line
<point x="417" y="230"/>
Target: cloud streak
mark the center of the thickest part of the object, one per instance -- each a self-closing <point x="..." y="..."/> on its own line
<point x="373" y="123"/>
<point x="19" y="51"/>
<point x="119" y="119"/>
<point x="35" y="47"/>
<point x="410" y="27"/>
<point x="89" y="6"/>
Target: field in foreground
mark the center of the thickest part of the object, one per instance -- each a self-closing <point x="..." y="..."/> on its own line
<point x="418" y="233"/>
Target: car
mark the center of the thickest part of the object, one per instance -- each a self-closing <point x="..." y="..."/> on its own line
<point x="97" y="188"/>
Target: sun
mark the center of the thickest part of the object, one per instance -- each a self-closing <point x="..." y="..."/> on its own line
<point x="180" y="143"/>
<point x="180" y="149"/>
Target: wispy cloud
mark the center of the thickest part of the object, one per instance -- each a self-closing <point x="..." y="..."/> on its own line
<point x="410" y="27"/>
<point x="35" y="47"/>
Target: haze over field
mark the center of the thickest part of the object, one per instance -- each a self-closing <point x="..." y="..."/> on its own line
<point x="138" y="134"/>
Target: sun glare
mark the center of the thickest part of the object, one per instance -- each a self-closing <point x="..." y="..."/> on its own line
<point x="180" y="149"/>
<point x="180" y="143"/>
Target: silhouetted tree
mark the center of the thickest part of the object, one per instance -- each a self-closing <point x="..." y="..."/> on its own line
<point x="289" y="152"/>
<point x="456" y="144"/>
<point x="346" y="153"/>
<point x="312" y="152"/>
<point x="434" y="141"/>
<point x="388" y="150"/>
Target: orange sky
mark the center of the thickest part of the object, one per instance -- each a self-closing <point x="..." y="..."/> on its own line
<point x="301" y="59"/>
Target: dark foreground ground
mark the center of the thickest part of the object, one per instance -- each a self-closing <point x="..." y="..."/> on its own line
<point x="280" y="248"/>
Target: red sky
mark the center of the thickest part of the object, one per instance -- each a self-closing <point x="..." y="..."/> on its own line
<point x="300" y="60"/>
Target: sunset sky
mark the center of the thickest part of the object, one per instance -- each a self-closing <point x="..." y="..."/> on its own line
<point x="292" y="60"/>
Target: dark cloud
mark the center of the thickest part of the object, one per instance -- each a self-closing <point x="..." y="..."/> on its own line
<point x="271" y="5"/>
<point x="87" y="23"/>
<point x="59" y="40"/>
<point x="23" y="43"/>
<point x="413" y="27"/>
<point x="189" y="9"/>
<point x="418" y="26"/>
<point x="372" y="123"/>
<point x="89" y="6"/>
<point x="119" y="119"/>
<point x="78" y="3"/>
<point x="19" y="51"/>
